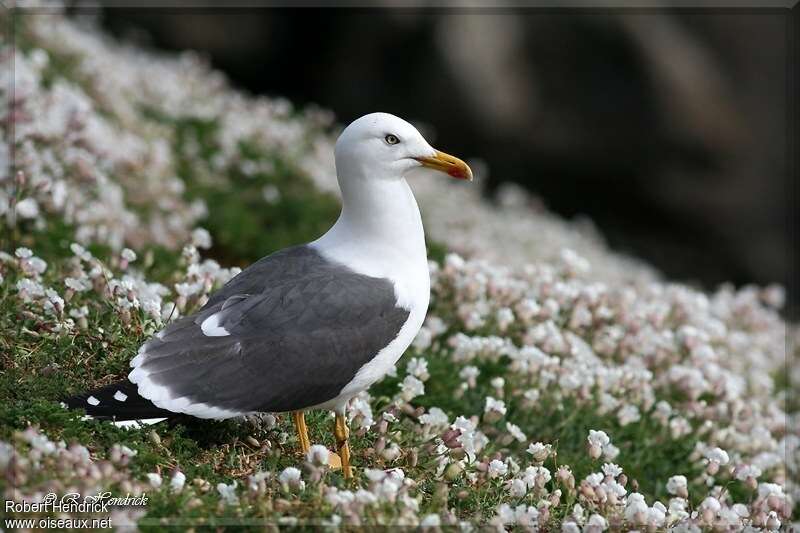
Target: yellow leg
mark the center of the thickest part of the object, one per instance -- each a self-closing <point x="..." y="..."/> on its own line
<point x="302" y="431"/>
<point x="342" y="434"/>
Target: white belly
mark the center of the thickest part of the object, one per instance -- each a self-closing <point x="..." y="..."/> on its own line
<point x="412" y="289"/>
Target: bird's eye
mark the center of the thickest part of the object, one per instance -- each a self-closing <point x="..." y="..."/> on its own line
<point x="391" y="139"/>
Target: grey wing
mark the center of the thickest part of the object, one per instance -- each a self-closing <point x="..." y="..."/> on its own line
<point x="294" y="344"/>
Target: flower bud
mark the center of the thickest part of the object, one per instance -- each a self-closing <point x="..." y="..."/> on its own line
<point x="565" y="477"/>
<point x="453" y="471"/>
<point x="450" y="438"/>
<point x="595" y="451"/>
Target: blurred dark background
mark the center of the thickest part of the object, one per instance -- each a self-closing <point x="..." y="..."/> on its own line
<point x="669" y="128"/>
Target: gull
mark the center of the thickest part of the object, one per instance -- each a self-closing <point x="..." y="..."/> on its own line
<point x="310" y="326"/>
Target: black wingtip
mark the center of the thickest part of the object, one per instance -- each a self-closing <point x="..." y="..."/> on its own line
<point x="117" y="401"/>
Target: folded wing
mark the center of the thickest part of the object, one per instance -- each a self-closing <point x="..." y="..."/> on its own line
<point x="287" y="333"/>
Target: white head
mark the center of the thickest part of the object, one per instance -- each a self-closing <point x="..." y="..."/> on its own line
<point x="383" y="146"/>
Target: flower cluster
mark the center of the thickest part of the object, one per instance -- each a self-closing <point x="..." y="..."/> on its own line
<point x="85" y="284"/>
<point x="40" y="466"/>
<point x="95" y="148"/>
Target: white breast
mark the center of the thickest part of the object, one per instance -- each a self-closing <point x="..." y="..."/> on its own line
<point x="389" y="246"/>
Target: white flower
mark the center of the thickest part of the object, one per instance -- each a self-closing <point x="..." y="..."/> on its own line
<point x="522" y="515"/>
<point x="531" y="395"/>
<point x="201" y="238"/>
<point x="598" y="440"/>
<point x="526" y="516"/>
<point x="709" y="509"/>
<point x="54" y="303"/>
<point x="317" y="455"/>
<point x="271" y="194"/>
<point x="254" y="481"/>
<point x="361" y="411"/>
<point x="154" y="479"/>
<point x="431" y="520"/>
<point x="773" y="522"/>
<point x="536" y="476"/>
<point x="410" y="388"/>
<point x="336" y="497"/>
<point x="435" y="418"/>
<point x="189" y="289"/>
<point x="454" y="262"/>
<point x="748" y="471"/>
<point x="23" y="253"/>
<point x="36" y="265"/>
<point x="497" y="468"/>
<point x="636" y="509"/>
<point x="770" y="489"/>
<point x="578" y="513"/>
<point x="424" y="338"/>
<point x="677" y="510"/>
<point x="504" y="318"/>
<point x="574" y="262"/>
<point x="28" y="208"/>
<point x="516" y="432"/>
<point x="128" y="255"/>
<point x="177" y="481"/>
<point x="29" y="289"/>
<point x="656" y="515"/>
<point x="471" y="440"/>
<point x="228" y="493"/>
<point x="505" y="514"/>
<point x="391" y="452"/>
<point x="628" y="414"/>
<point x="80" y="251"/>
<point x="596" y="523"/>
<point x="120" y="453"/>
<point x="493" y="409"/>
<point x="717" y="455"/>
<point x="595" y="479"/>
<point x="290" y="479"/>
<point x="610" y="469"/>
<point x="517" y="488"/>
<point x="677" y="485"/>
<point x="469" y="374"/>
<point x="418" y="367"/>
<point x="77" y="284"/>
<point x="539" y="451"/>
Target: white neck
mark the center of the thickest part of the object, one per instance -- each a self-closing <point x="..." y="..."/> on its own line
<point x="379" y="233"/>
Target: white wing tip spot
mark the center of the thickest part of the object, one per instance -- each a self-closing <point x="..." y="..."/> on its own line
<point x="137" y="423"/>
<point x="120" y="396"/>
<point x="211" y="327"/>
<point x="91" y="400"/>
